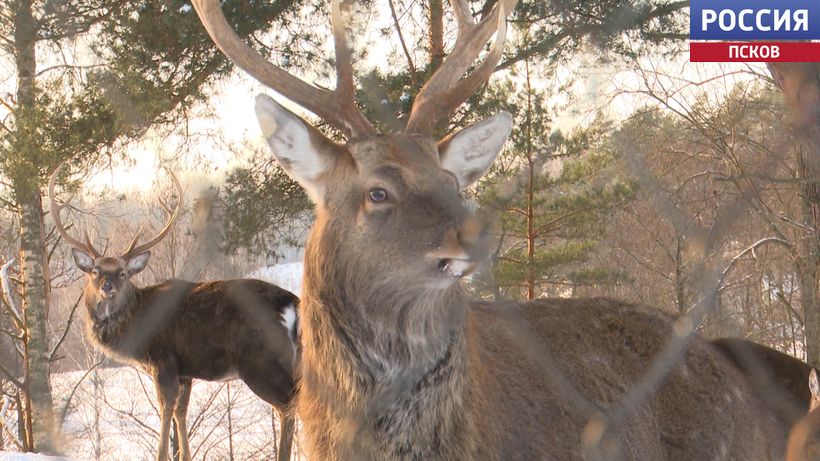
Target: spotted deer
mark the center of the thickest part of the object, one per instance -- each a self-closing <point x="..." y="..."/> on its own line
<point x="178" y="331"/>
<point x="398" y="363"/>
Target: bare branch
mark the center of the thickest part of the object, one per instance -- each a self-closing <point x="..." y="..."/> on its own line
<point x="8" y="293"/>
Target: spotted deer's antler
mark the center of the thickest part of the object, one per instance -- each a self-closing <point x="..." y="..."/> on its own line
<point x="58" y="222"/>
<point x="133" y="248"/>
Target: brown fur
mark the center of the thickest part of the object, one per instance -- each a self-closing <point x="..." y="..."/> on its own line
<point x="399" y="364"/>
<point x="804" y="439"/>
<point x="178" y="331"/>
<point x="778" y="378"/>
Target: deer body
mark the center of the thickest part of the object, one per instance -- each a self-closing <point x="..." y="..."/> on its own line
<point x="177" y="331"/>
<point x="397" y="362"/>
<point x="477" y="391"/>
<point x="236" y="338"/>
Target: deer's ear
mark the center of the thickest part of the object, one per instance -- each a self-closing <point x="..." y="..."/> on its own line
<point x="469" y="153"/>
<point x="137" y="263"/>
<point x="814" y="386"/>
<point x="303" y="152"/>
<point x="83" y="260"/>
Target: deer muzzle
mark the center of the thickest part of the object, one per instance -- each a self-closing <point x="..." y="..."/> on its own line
<point x="461" y="249"/>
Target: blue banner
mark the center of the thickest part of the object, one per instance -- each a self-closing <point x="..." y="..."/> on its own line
<point x="754" y="20"/>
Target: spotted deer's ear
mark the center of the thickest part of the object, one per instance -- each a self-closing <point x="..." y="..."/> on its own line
<point x="83" y="260"/>
<point x="469" y="153"/>
<point x="135" y="264"/>
<point x="814" y="385"/>
<point x="301" y="150"/>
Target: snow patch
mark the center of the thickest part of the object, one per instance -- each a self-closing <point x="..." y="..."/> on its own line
<point x="6" y="456"/>
<point x="289" y="320"/>
<point x="285" y="275"/>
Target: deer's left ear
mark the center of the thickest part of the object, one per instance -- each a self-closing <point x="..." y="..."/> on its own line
<point x="469" y="153"/>
<point x="83" y="260"/>
<point x="137" y="263"/>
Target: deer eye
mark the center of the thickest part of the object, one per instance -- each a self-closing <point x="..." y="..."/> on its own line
<point x="95" y="273"/>
<point x="377" y="195"/>
<point x="122" y="275"/>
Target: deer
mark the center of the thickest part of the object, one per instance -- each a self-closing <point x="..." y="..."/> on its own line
<point x="778" y="378"/>
<point x="398" y="362"/>
<point x="804" y="439"/>
<point x="178" y="331"/>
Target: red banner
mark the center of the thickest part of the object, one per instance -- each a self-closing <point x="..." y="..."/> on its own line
<point x="754" y="51"/>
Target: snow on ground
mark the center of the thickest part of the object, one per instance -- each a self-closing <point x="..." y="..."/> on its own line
<point x="8" y="456"/>
<point x="285" y="275"/>
<point x="112" y="416"/>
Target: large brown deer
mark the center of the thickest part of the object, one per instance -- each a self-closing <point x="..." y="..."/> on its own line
<point x="178" y="331"/>
<point x="397" y="362"/>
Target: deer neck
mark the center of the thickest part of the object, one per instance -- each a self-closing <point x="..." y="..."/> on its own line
<point x="394" y="360"/>
<point x="109" y="319"/>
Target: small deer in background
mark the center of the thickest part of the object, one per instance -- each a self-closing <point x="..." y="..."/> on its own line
<point x="177" y="330"/>
<point x="397" y="362"/>
<point x="804" y="440"/>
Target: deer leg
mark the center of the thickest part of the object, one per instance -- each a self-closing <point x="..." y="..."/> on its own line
<point x="287" y="424"/>
<point x="167" y="386"/>
<point x="273" y="383"/>
<point x="181" y="418"/>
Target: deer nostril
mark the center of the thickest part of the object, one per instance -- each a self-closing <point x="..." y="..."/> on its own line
<point x="107" y="286"/>
<point x="443" y="264"/>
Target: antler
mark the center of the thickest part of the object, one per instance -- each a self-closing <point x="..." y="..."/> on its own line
<point x="337" y="107"/>
<point x="443" y="92"/>
<point x="58" y="223"/>
<point x="133" y="249"/>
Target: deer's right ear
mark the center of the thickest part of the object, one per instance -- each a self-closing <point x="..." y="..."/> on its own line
<point x="83" y="260"/>
<point x="299" y="148"/>
<point x="137" y="263"/>
<point x="814" y="386"/>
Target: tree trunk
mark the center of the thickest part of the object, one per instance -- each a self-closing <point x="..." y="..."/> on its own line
<point x="436" y="34"/>
<point x="530" y="193"/>
<point x="33" y="259"/>
<point x="35" y="296"/>
<point x="680" y="278"/>
<point x="809" y="267"/>
<point x="800" y="84"/>
<point x="22" y="432"/>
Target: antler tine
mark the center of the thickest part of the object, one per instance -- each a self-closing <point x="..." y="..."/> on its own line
<point x="90" y="245"/>
<point x="134" y="241"/>
<point x="463" y="17"/>
<point x="344" y="64"/>
<point x="133" y="249"/>
<point x="446" y="90"/>
<point x="340" y="113"/>
<point x="58" y="223"/>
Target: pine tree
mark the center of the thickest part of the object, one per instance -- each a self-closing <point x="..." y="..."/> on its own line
<point x="553" y="194"/>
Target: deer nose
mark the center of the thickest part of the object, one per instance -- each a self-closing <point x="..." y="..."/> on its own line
<point x="108" y="286"/>
<point x="462" y="247"/>
<point x="473" y="236"/>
